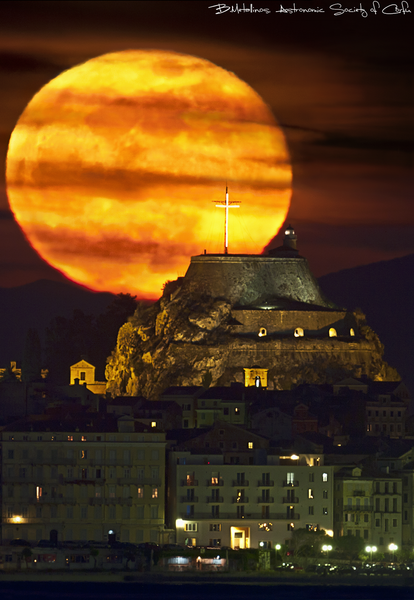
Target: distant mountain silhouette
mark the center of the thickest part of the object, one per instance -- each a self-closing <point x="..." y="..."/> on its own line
<point x="385" y="293"/>
<point x="34" y="305"/>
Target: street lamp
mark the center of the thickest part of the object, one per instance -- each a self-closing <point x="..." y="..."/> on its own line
<point x="393" y="548"/>
<point x="326" y="548"/>
<point x="278" y="547"/>
<point x="371" y="549"/>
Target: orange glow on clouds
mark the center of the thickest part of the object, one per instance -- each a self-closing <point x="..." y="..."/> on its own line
<point x="114" y="167"/>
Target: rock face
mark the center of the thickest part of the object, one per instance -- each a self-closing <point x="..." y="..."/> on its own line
<point x="231" y="313"/>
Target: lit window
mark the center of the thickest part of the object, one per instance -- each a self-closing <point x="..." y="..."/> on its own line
<point x="237" y="411"/>
<point x="250" y="445"/>
<point x="351" y="332"/>
<point x="39" y="492"/>
<point x="153" y="423"/>
<point x="324" y="476"/>
<point x="290" y="478"/>
<point x="190" y="527"/>
<point x="262" y="332"/>
<point x="83" y="438"/>
<point x="332" y="332"/>
<point x="140" y="492"/>
<point x="310" y="493"/>
<point x="154" y="493"/>
<point x="299" y="332"/>
<point x="70" y="438"/>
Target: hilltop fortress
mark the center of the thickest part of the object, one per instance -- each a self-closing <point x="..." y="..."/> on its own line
<point x="254" y="319"/>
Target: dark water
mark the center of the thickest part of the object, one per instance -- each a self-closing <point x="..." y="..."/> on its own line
<point x="197" y="591"/>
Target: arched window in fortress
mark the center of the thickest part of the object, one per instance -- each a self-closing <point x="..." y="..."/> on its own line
<point x="332" y="332"/>
<point x="351" y="332"/>
<point x="262" y="332"/>
<point x="298" y="332"/>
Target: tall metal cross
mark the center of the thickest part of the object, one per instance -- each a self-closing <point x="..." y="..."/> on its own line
<point x="226" y="204"/>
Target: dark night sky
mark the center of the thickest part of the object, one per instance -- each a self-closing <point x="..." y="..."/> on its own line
<point x="340" y="86"/>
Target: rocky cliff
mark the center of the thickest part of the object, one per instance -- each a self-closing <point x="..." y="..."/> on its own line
<point x="191" y="339"/>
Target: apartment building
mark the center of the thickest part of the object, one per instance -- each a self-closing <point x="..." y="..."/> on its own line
<point x="213" y="503"/>
<point x="93" y="477"/>
<point x="369" y="505"/>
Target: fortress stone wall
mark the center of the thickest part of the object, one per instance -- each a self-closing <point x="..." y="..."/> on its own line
<point x="231" y="313"/>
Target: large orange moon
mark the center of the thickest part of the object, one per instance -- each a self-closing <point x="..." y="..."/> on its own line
<point x="115" y="166"/>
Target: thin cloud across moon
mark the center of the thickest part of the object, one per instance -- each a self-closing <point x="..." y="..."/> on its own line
<point x="114" y="167"/>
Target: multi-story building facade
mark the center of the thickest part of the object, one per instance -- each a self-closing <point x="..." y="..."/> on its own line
<point x="368" y="505"/>
<point x="85" y="479"/>
<point x="398" y="460"/>
<point x="248" y="505"/>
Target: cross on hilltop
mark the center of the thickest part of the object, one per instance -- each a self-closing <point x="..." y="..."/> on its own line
<point x="226" y="204"/>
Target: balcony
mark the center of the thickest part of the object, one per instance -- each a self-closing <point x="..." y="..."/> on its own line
<point x="361" y="508"/>
<point x="253" y="516"/>
<point x="293" y="483"/>
<point x="242" y="483"/>
<point x="216" y="500"/>
<point x="358" y="493"/>
<point x="285" y="516"/>
<point x="146" y="481"/>
<point x="290" y="500"/>
<point x="189" y="482"/>
<point x="101" y="501"/>
<point x="240" y="500"/>
<point x="264" y="500"/>
<point x="54" y="500"/>
<point x="213" y="482"/>
<point x="265" y="483"/>
<point x="184" y="499"/>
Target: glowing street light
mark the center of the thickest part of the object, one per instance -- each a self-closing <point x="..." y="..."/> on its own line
<point x="326" y="548"/>
<point x="393" y="548"/>
<point x="371" y="549"/>
<point x="278" y="548"/>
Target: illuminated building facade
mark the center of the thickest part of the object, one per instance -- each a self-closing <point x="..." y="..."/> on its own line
<point x="369" y="506"/>
<point x="94" y="479"/>
<point x="248" y="505"/>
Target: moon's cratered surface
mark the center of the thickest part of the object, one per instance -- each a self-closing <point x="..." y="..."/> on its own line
<point x="114" y="168"/>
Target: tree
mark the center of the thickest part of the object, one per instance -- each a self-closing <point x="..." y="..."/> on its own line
<point x="94" y="552"/>
<point x="350" y="546"/>
<point x="308" y="543"/>
<point x="26" y="555"/>
<point x="67" y="340"/>
<point x="32" y="357"/>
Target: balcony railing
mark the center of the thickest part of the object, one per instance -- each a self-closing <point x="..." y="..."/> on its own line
<point x="265" y="500"/>
<point x="101" y="501"/>
<point x="290" y="500"/>
<point x="189" y="482"/>
<point x="285" y="516"/>
<point x="240" y="500"/>
<point x="263" y="483"/>
<point x="361" y="508"/>
<point x="242" y="483"/>
<point x="216" y="500"/>
<point x="188" y="500"/>
<point x="358" y="493"/>
<point x="293" y="483"/>
<point x="54" y="500"/>
<point x="253" y="516"/>
<point x="214" y="483"/>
